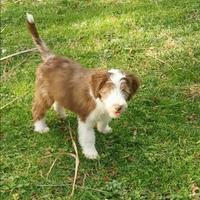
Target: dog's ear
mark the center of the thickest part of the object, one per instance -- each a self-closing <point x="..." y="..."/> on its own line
<point x="98" y="79"/>
<point x="133" y="84"/>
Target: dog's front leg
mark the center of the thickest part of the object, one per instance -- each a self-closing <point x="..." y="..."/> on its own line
<point x="102" y="125"/>
<point x="87" y="139"/>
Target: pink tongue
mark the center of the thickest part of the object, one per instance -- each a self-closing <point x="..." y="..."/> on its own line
<point x="117" y="113"/>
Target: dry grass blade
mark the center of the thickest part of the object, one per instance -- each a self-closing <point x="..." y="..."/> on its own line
<point x="158" y="59"/>
<point x="11" y="102"/>
<point x="51" y="167"/>
<point x="76" y="163"/>
<point x="2" y="30"/>
<point x="18" y="53"/>
<point x="7" y="74"/>
<point x="75" y="156"/>
<point x="58" y="156"/>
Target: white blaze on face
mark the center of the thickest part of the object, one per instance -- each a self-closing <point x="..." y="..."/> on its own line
<point x="115" y="98"/>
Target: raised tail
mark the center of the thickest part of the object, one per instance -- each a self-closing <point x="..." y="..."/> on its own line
<point x="44" y="51"/>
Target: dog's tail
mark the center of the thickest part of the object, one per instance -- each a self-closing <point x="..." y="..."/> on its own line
<point x="44" y="51"/>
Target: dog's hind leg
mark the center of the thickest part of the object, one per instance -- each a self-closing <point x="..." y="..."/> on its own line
<point x="60" y="110"/>
<point x="42" y="102"/>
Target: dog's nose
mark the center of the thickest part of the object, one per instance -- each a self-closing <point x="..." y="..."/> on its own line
<point x="118" y="108"/>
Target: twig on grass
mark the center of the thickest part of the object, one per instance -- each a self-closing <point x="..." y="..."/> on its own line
<point x="76" y="157"/>
<point x="51" y="167"/>
<point x="18" y="53"/>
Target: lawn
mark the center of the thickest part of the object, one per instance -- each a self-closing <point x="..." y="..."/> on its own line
<point x="154" y="150"/>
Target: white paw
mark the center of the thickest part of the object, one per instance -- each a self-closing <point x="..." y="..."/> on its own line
<point x="108" y="129"/>
<point x="91" y="153"/>
<point x="41" y="129"/>
<point x="40" y="126"/>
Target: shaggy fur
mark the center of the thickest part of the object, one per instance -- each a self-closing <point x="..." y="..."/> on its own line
<point x="95" y="96"/>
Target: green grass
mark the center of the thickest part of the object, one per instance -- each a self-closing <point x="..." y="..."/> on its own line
<point x="154" y="151"/>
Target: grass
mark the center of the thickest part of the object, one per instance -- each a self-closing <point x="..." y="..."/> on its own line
<point x="154" y="152"/>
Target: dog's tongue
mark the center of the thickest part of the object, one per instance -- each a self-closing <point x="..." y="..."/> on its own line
<point x="117" y="114"/>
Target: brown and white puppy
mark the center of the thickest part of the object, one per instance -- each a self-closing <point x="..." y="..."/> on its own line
<point x="95" y="96"/>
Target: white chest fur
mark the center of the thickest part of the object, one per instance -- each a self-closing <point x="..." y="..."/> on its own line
<point x="98" y="114"/>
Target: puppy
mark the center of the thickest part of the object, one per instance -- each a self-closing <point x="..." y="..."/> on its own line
<point x="95" y="96"/>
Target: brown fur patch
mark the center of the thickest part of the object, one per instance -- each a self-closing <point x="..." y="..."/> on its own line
<point x="130" y="85"/>
<point x="106" y="88"/>
<point x="98" y="80"/>
<point x="64" y="81"/>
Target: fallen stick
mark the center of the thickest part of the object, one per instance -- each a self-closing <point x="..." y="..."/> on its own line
<point x="74" y="155"/>
<point x="51" y="167"/>
<point x="18" y="53"/>
<point x="76" y="162"/>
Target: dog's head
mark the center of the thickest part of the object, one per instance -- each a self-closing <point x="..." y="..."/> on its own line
<point x="114" y="88"/>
